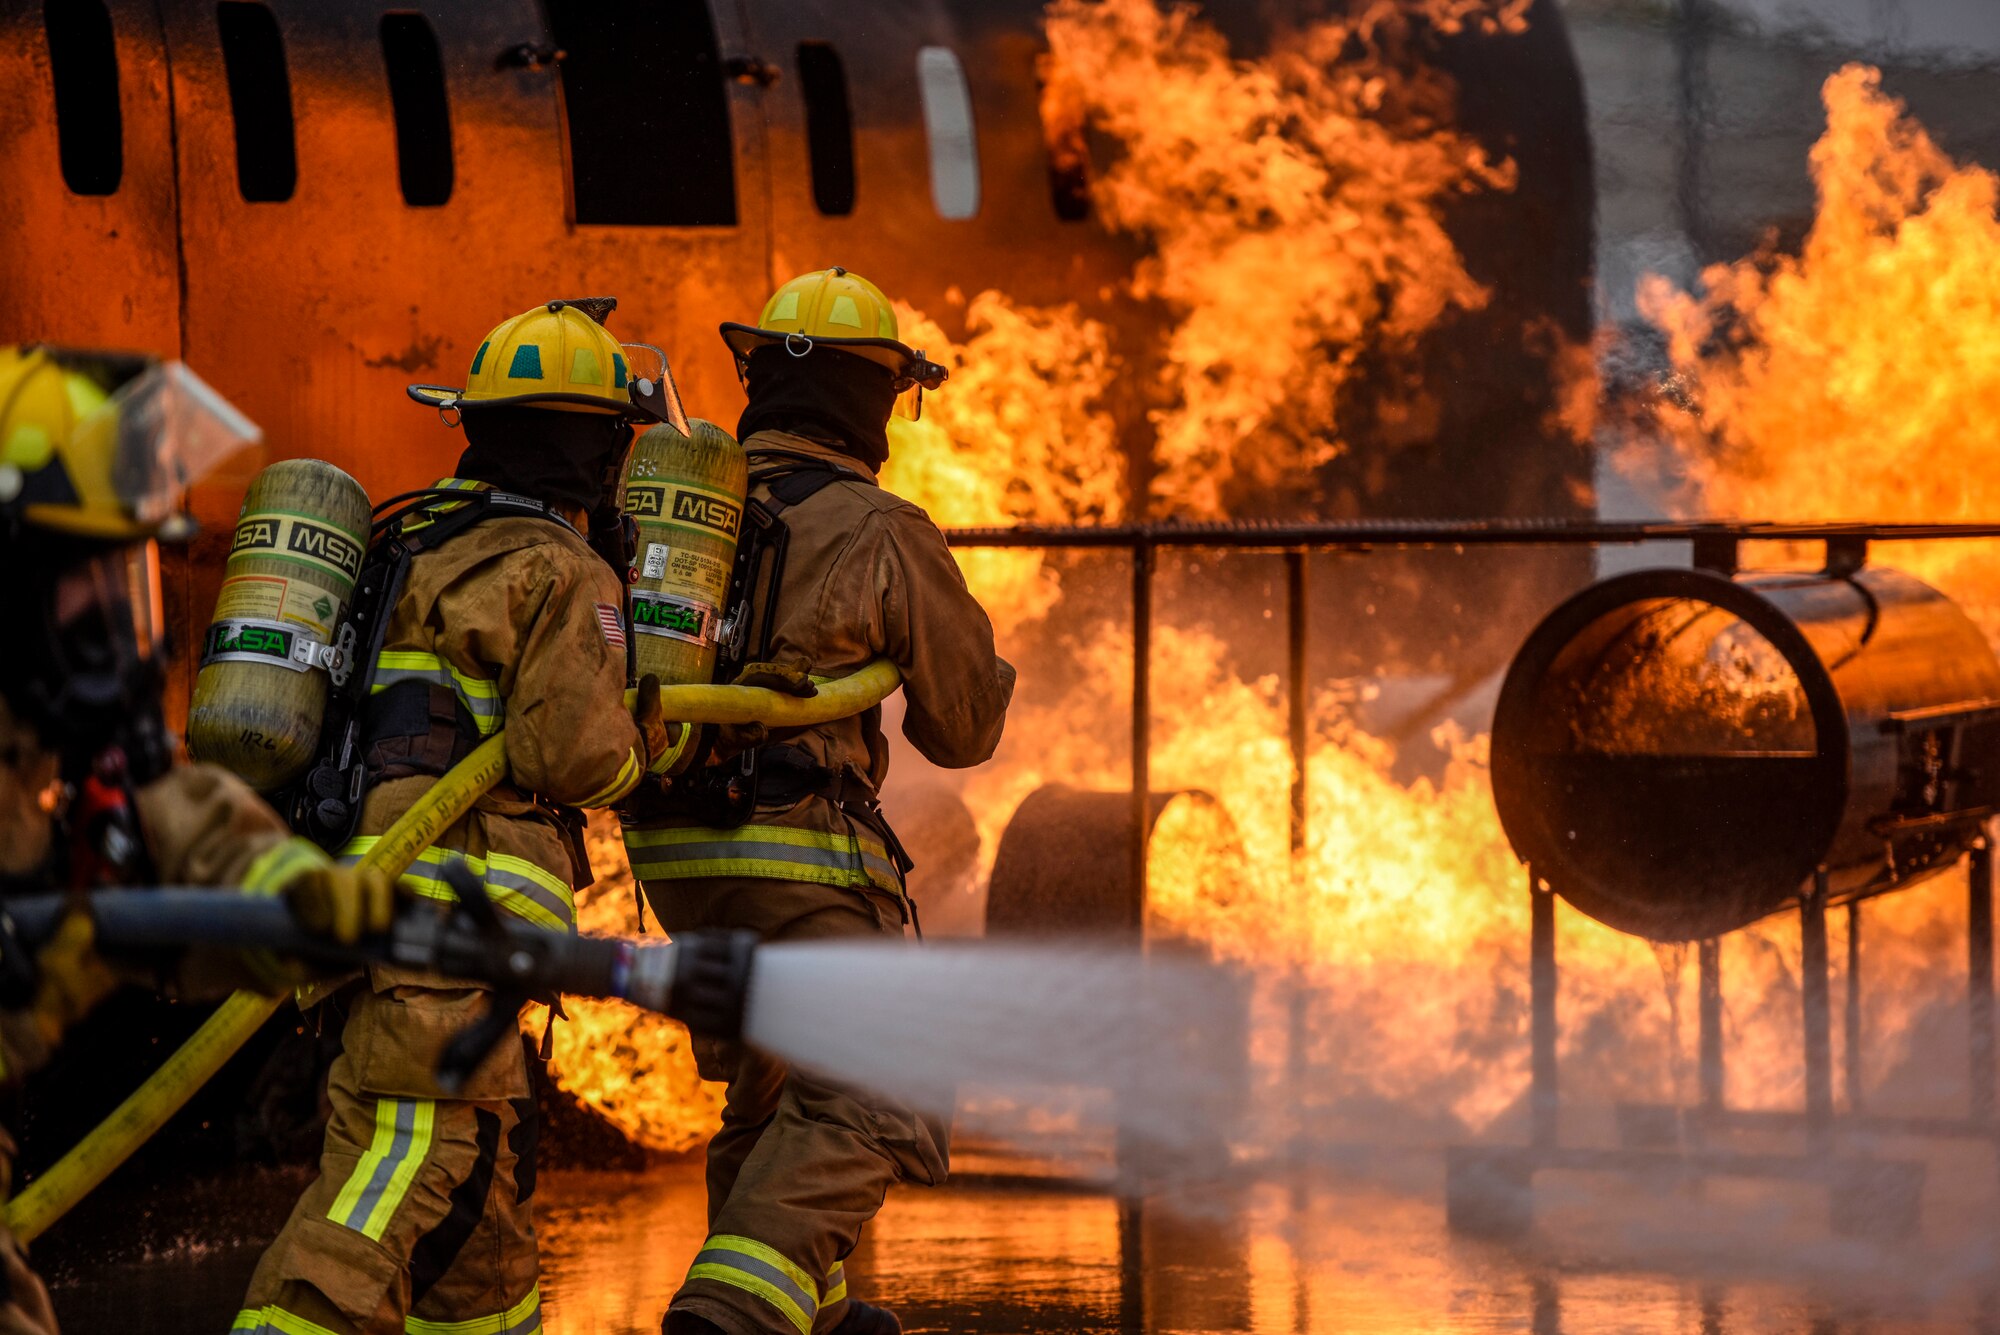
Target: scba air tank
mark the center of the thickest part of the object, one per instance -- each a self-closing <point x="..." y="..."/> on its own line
<point x="261" y="694"/>
<point x="686" y="493"/>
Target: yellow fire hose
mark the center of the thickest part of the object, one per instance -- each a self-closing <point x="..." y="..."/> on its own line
<point x="168" y="1089"/>
<point x="837" y="699"/>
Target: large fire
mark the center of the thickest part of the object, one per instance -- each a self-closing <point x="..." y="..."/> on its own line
<point x="1292" y="217"/>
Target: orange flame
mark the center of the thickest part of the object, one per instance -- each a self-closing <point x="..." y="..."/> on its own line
<point x="1858" y="378"/>
<point x="1291" y="206"/>
<point x="1293" y="211"/>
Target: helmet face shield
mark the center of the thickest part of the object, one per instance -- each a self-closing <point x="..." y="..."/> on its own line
<point x="652" y="386"/>
<point x="88" y="675"/>
<point x="108" y="613"/>
<point x="172" y="430"/>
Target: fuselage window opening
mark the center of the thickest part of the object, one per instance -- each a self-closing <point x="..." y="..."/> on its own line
<point x="83" y="61"/>
<point x="260" y="101"/>
<point x="1064" y="137"/>
<point x="829" y="128"/>
<point x="421" y="107"/>
<point x="646" y="109"/>
<point x="949" y="132"/>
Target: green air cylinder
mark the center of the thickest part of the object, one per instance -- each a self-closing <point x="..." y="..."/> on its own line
<point x="261" y="694"/>
<point x="686" y="493"/>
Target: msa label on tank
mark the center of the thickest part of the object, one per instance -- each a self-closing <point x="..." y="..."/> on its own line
<point x="673" y="503"/>
<point x="672" y="618"/>
<point x="290" y="537"/>
<point x="258" y="642"/>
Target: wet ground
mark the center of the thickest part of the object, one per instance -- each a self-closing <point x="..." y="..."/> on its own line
<point x="1357" y="1248"/>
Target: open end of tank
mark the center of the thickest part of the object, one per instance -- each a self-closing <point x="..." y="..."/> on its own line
<point x="1668" y="774"/>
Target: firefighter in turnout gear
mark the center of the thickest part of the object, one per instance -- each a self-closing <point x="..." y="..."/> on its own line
<point x="95" y="453"/>
<point x="420" y="1217"/>
<point x="783" y="835"/>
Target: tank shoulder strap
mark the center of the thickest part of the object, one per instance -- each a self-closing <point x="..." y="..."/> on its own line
<point x="793" y="478"/>
<point x="436" y="515"/>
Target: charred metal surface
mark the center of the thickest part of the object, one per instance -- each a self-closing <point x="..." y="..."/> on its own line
<point x="1676" y="752"/>
<point x="1065" y="864"/>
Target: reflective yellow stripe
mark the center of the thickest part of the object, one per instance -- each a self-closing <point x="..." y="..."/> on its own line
<point x="753" y="1267"/>
<point x="523" y="1318"/>
<point x="664" y="761"/>
<point x="512" y="883"/>
<point x="276" y="867"/>
<point x="776" y="852"/>
<point x="628" y="778"/>
<point x="480" y="697"/>
<point x="383" y="1175"/>
<point x="274" y="1321"/>
<point x="836" y="1285"/>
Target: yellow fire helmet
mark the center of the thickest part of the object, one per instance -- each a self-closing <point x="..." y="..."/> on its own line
<point x="837" y="309"/>
<point x="105" y="445"/>
<point x="559" y="355"/>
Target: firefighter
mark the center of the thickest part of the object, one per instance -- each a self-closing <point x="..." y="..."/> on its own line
<point x="420" y="1214"/>
<point x="801" y="1164"/>
<point x="95" y="452"/>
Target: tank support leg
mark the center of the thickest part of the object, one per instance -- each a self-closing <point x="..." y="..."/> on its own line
<point x="1850" y="1027"/>
<point x="1142" y="725"/>
<point x="1543" y="1101"/>
<point x="1299" y="691"/>
<point x="1979" y="990"/>
<point x="1818" y="1017"/>
<point x="1709" y="956"/>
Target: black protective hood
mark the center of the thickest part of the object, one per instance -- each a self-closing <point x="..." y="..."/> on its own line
<point x="559" y="457"/>
<point x="827" y="394"/>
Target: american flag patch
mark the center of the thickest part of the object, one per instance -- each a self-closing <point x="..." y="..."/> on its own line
<point x="611" y="624"/>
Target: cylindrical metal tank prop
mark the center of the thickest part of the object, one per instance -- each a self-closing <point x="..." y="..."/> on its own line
<point x="1676" y="752"/>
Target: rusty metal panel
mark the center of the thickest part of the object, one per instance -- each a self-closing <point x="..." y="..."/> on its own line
<point x="894" y="234"/>
<point x="94" y="270"/>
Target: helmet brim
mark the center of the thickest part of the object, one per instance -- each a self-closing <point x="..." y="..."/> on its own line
<point x="897" y="358"/>
<point x="443" y="396"/>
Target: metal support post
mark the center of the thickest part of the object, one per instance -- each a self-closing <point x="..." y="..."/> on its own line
<point x="1295" y="643"/>
<point x="1709" y="955"/>
<point x="1142" y="725"/>
<point x="1813" y="967"/>
<point x="1979" y="980"/>
<point x="1132" y="1266"/>
<point x="1543" y="1099"/>
<point x="1850" y="1029"/>
<point x="1298" y="1018"/>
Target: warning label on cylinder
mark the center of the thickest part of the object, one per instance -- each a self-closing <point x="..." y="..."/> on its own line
<point x="274" y="598"/>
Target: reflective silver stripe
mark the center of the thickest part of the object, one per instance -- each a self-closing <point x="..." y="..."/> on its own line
<point x="764" y="1270"/>
<point x="386" y="1166"/>
<point x="523" y="1318"/>
<point x="483" y="708"/>
<point x="530" y="889"/>
<point x="748" y="850"/>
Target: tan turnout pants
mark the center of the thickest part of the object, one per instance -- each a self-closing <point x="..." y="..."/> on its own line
<point x="800" y="1164"/>
<point x="419" y="1220"/>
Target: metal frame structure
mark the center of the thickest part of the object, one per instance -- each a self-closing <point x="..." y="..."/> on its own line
<point x="1490" y="1188"/>
<point x="1716" y="545"/>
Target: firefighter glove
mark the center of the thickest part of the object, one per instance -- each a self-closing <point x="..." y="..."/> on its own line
<point x="667" y="749"/>
<point x="732" y="739"/>
<point x="71" y="978"/>
<point x="345" y="903"/>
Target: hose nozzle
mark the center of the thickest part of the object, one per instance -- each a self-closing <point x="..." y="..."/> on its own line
<point x="702" y="980"/>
